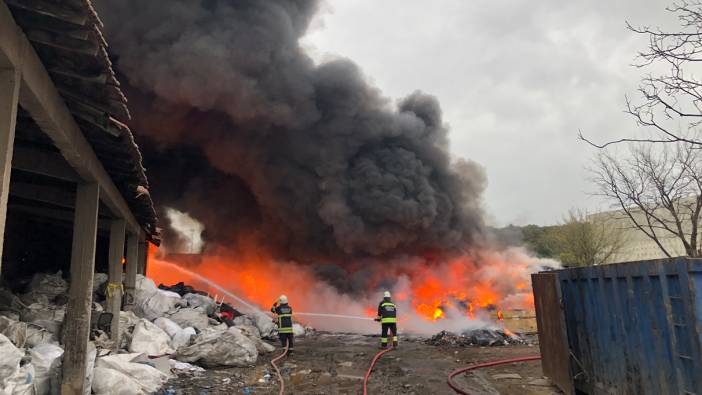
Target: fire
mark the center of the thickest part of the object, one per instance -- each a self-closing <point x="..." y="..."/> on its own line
<point x="468" y="287"/>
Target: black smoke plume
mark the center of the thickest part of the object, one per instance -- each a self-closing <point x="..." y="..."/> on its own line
<point x="243" y="131"/>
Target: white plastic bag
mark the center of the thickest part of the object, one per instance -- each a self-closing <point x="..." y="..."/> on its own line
<point x="149" y="339"/>
<point x="298" y="330"/>
<point x="49" y="317"/>
<point x="113" y="382"/>
<point x="252" y="333"/>
<point x="190" y="317"/>
<point x="149" y="378"/>
<point x="22" y="382"/>
<point x="183" y="337"/>
<point x="46" y="359"/>
<point x="10" y="357"/>
<point x="264" y="323"/>
<point x="228" y="348"/>
<point x="90" y="356"/>
<point x="201" y="302"/>
<point x="168" y="326"/>
<point x="151" y="302"/>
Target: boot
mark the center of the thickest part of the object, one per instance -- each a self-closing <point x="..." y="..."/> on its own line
<point x="394" y="344"/>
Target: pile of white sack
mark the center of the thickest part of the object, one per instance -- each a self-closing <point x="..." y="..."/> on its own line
<point x="162" y="334"/>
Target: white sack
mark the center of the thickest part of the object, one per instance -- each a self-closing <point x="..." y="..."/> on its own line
<point x="189" y="317"/>
<point x="229" y="348"/>
<point x="98" y="280"/>
<point x="182" y="338"/>
<point x="149" y="378"/>
<point x="47" y="359"/>
<point x="201" y="302"/>
<point x="253" y="334"/>
<point x="49" y="317"/>
<point x="149" y="339"/>
<point x="264" y="323"/>
<point x="168" y="326"/>
<point x="22" y="382"/>
<point x="90" y="356"/>
<point x="151" y="302"/>
<point x="10" y="357"/>
<point x="113" y="382"/>
<point x="298" y="330"/>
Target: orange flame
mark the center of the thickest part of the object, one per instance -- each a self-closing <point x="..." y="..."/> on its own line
<point x="468" y="286"/>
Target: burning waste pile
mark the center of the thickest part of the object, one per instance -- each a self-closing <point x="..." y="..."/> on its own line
<point x="478" y="337"/>
<point x="165" y="333"/>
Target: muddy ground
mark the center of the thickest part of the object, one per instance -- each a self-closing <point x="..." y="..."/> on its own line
<point x="327" y="363"/>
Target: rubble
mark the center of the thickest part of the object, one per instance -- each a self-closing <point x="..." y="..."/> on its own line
<point x="476" y="337"/>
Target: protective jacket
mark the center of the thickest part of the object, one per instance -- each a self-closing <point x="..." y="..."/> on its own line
<point x="387" y="312"/>
<point x="285" y="322"/>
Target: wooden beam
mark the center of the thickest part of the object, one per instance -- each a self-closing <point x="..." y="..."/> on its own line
<point x="76" y="329"/>
<point x="143" y="257"/>
<point x="59" y="216"/>
<point x="46" y="163"/>
<point x="9" y="97"/>
<point x="39" y="97"/>
<point x="114" y="284"/>
<point x="132" y="263"/>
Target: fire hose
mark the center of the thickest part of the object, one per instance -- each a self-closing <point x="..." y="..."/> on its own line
<point x="482" y="365"/>
<point x="370" y="368"/>
<point x="277" y="371"/>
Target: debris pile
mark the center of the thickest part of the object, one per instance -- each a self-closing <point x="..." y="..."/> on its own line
<point x="476" y="337"/>
<point x="168" y="330"/>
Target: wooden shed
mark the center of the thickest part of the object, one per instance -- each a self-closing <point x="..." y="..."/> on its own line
<point x="73" y="191"/>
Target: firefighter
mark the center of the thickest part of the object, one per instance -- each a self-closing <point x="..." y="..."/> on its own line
<point x="285" y="323"/>
<point x="387" y="316"/>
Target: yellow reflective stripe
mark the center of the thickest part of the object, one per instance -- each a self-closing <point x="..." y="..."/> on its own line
<point x="284" y="315"/>
<point x="285" y="330"/>
<point x="387" y="304"/>
<point x="389" y="320"/>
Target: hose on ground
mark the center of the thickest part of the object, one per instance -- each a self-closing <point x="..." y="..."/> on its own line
<point x="370" y="369"/>
<point x="483" y="365"/>
<point x="277" y="371"/>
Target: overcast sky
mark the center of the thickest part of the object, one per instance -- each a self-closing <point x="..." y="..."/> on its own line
<point x="516" y="80"/>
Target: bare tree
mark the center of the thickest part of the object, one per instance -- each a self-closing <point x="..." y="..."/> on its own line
<point x="658" y="188"/>
<point x="671" y="106"/>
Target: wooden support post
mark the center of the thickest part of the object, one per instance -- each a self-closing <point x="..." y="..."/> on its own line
<point x="132" y="264"/>
<point x="76" y="329"/>
<point x="114" y="283"/>
<point x="143" y="256"/>
<point x="9" y="94"/>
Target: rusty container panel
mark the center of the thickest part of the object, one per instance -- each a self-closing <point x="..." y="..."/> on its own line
<point x="634" y="328"/>
<point x="553" y="342"/>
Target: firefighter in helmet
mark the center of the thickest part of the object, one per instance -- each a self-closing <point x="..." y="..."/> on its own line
<point x="387" y="316"/>
<point x="285" y="322"/>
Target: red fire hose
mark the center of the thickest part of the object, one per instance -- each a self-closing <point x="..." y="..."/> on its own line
<point x="370" y="369"/>
<point x="483" y="365"/>
<point x="277" y="371"/>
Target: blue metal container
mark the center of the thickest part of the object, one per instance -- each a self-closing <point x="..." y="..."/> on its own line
<point x="631" y="328"/>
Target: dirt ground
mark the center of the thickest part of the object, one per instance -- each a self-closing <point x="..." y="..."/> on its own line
<point x="328" y="363"/>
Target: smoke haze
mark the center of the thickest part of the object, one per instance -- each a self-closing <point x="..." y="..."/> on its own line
<point x="242" y="131"/>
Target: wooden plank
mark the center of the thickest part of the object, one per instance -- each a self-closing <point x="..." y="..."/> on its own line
<point x="76" y="329"/>
<point x="41" y="99"/>
<point x="52" y="9"/>
<point x="553" y="341"/>
<point x="114" y="284"/>
<point x="9" y="97"/>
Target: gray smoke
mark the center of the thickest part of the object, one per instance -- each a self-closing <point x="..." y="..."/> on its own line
<point x="245" y="133"/>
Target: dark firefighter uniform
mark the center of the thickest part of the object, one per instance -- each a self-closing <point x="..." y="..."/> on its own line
<point x="387" y="315"/>
<point x="285" y="323"/>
